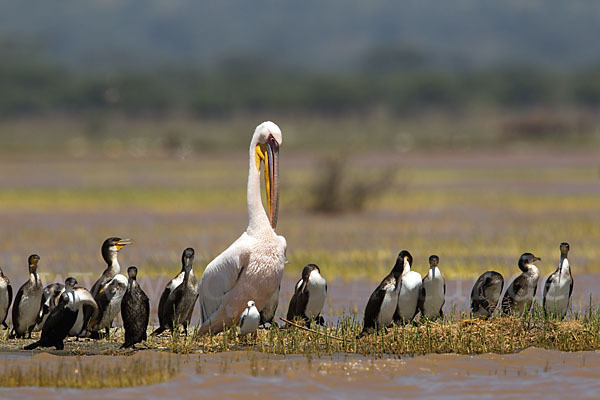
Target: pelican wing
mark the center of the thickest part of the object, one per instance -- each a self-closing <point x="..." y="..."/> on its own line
<point x="221" y="275"/>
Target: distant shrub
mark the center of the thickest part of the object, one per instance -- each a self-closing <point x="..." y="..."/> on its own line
<point x="338" y="189"/>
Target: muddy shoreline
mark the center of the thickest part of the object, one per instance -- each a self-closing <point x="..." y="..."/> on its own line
<point x="245" y="374"/>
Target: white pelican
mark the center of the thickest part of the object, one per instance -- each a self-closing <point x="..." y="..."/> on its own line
<point x="252" y="267"/>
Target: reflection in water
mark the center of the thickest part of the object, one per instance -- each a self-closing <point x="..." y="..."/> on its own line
<point x="254" y="375"/>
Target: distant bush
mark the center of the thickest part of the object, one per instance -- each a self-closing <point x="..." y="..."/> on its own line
<point x="337" y="188"/>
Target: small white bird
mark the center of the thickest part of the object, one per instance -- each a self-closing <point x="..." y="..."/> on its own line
<point x="249" y="319"/>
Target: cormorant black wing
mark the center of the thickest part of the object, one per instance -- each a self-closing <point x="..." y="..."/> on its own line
<point x="10" y="298"/>
<point x="513" y="291"/>
<point x="15" y="310"/>
<point x="374" y="305"/>
<point x="571" y="286"/>
<point x="421" y="300"/>
<point x="302" y="300"/>
<point x="292" y="307"/>
<point x="99" y="284"/>
<point x="161" y="305"/>
<point x="547" y="287"/>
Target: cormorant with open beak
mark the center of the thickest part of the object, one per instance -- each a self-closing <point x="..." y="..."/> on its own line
<point x="110" y="251"/>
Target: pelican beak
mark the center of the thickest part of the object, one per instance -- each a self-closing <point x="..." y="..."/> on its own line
<point x="269" y="154"/>
<point x="122" y="243"/>
<point x="272" y="180"/>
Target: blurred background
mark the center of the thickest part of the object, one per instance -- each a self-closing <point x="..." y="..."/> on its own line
<point x="467" y="129"/>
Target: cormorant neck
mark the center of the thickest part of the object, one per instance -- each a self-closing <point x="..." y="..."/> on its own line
<point x="186" y="274"/>
<point x="523" y="267"/>
<point x="113" y="263"/>
<point x="33" y="276"/>
<point x="399" y="266"/>
<point x="257" y="216"/>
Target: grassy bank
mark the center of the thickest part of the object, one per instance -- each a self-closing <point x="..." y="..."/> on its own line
<point x="461" y="335"/>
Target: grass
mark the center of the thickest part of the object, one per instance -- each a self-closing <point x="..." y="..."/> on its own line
<point x="458" y="335"/>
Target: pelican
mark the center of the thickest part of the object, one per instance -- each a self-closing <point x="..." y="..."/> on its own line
<point x="252" y="267"/>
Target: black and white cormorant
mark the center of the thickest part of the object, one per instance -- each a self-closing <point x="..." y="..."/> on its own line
<point x="485" y="294"/>
<point x="408" y="295"/>
<point x="179" y="297"/>
<point x="249" y="319"/>
<point x="559" y="286"/>
<point x="108" y="300"/>
<point x="309" y="296"/>
<point x="110" y="251"/>
<point x="518" y="298"/>
<point x="84" y="308"/>
<point x="135" y="311"/>
<point x="50" y="298"/>
<point x="6" y="296"/>
<point x="27" y="302"/>
<point x="63" y="316"/>
<point x="383" y="302"/>
<point x="433" y="291"/>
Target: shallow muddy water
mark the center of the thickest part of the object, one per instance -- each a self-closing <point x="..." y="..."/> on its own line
<point x="532" y="373"/>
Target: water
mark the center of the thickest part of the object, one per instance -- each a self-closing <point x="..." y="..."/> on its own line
<point x="534" y="373"/>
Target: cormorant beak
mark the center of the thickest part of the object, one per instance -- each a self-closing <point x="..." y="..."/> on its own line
<point x="122" y="243"/>
<point x="536" y="259"/>
<point x="269" y="154"/>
